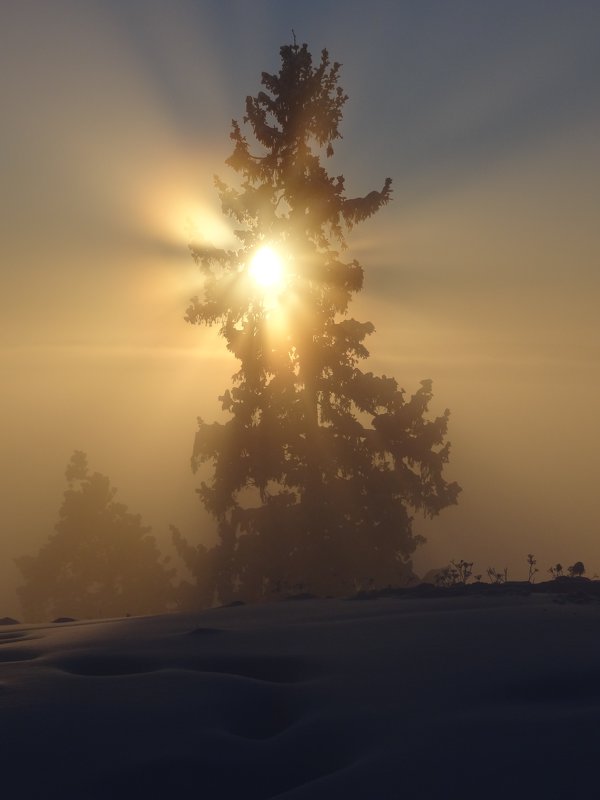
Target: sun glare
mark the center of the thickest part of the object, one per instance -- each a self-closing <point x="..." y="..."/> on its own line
<point x="266" y="268"/>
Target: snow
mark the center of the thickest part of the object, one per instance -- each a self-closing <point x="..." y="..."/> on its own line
<point x="430" y="698"/>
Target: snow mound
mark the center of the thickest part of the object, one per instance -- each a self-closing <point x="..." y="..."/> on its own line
<point x="393" y="697"/>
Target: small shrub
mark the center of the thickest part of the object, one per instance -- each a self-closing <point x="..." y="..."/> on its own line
<point x="457" y="572"/>
<point x="556" y="571"/>
<point x="497" y="577"/>
<point x="576" y="570"/>
<point x="531" y="561"/>
<point x="464" y="570"/>
<point x="446" y="577"/>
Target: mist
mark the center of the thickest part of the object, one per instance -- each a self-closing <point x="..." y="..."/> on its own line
<point x="481" y="275"/>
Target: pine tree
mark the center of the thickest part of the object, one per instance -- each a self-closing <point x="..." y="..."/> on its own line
<point x="100" y="560"/>
<point x="320" y="466"/>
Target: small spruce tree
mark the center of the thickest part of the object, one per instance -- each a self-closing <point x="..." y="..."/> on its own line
<point x="320" y="466"/>
<point x="100" y="560"/>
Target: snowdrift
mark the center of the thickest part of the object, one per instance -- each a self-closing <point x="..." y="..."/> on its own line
<point x="449" y="697"/>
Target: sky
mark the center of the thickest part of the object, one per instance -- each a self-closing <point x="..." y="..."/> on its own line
<point x="482" y="274"/>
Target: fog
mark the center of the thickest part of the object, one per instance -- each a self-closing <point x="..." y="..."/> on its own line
<point x="481" y="275"/>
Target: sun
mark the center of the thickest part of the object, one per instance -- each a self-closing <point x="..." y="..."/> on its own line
<point x="266" y="268"/>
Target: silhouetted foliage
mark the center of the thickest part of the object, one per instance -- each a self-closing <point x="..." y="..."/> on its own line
<point x="531" y="563"/>
<point x="202" y="562"/>
<point x="457" y="572"/>
<point x="576" y="570"/>
<point x="320" y="466"/>
<point x="464" y="570"/>
<point x="496" y="576"/>
<point x="100" y="560"/>
<point x="556" y="571"/>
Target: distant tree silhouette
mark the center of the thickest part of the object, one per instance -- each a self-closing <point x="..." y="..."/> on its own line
<point x="100" y="560"/>
<point x="576" y="570"/>
<point x="320" y="466"/>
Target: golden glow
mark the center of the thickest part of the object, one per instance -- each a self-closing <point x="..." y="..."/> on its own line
<point x="266" y="268"/>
